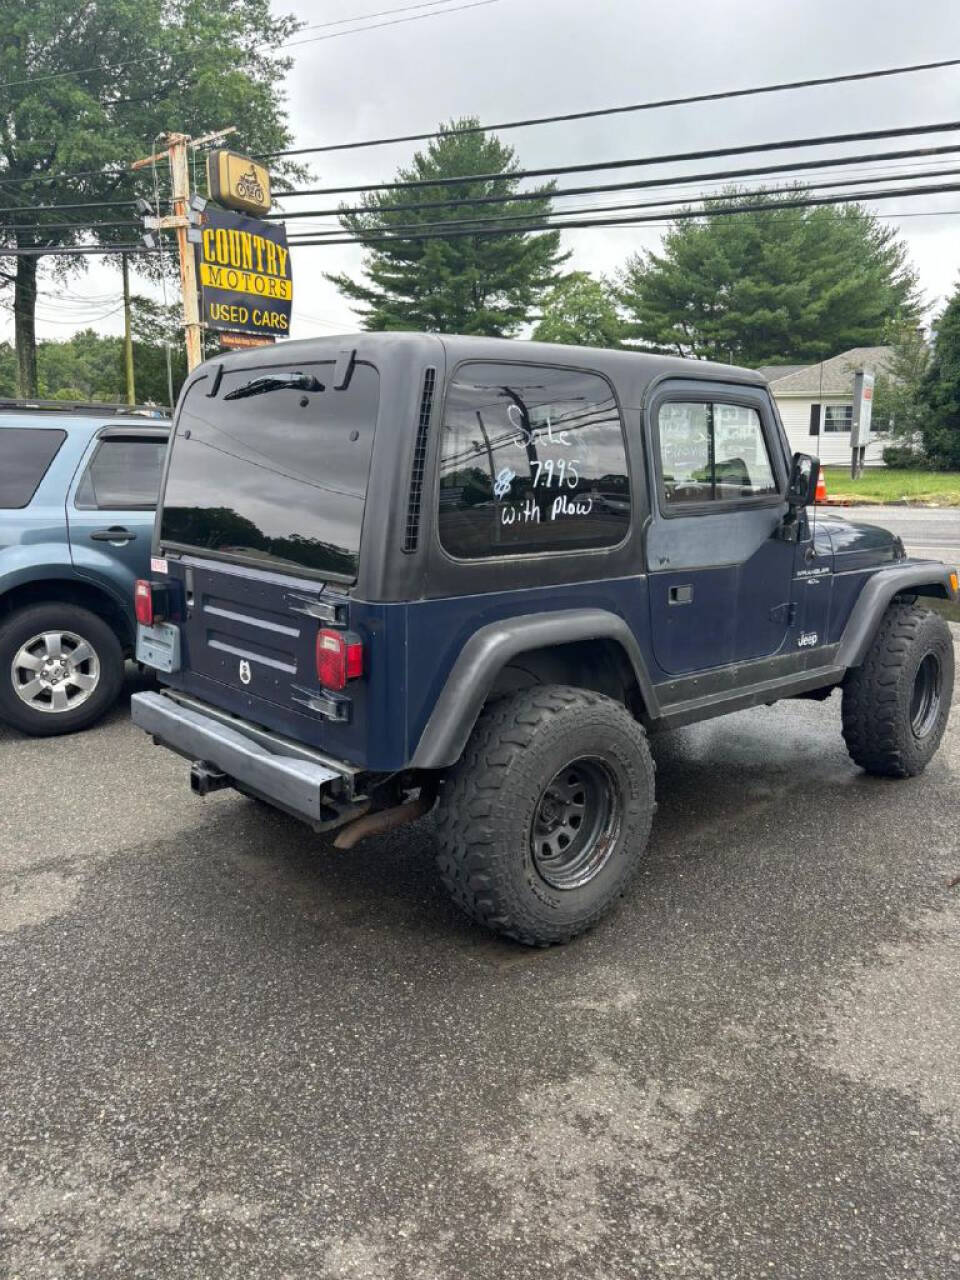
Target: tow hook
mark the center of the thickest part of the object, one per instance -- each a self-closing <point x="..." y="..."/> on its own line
<point x="205" y="778"/>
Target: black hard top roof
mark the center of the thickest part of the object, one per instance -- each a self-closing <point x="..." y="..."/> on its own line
<point x="636" y="364"/>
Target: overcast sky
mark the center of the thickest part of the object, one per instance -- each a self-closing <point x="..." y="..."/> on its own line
<point x="506" y="59"/>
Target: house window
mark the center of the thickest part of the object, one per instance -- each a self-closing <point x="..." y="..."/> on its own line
<point x="838" y="417"/>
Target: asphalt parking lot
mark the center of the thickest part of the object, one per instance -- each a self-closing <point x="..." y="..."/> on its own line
<point x="227" y="1050"/>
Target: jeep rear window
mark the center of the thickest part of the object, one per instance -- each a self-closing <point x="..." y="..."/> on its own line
<point x="25" y="455"/>
<point x="278" y="475"/>
<point x="532" y="459"/>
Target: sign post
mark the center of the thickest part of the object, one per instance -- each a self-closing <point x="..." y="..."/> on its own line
<point x="179" y="221"/>
<point x="860" y="433"/>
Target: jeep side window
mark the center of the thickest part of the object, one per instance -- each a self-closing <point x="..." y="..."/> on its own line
<point x="712" y="452"/>
<point x="25" y="455"/>
<point x="532" y="458"/>
<point x="122" y="475"/>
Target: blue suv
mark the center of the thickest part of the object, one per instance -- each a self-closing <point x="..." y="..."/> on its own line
<point x="78" y="489"/>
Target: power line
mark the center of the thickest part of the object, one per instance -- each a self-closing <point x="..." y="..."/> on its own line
<point x="74" y="250"/>
<point x="364" y="17"/>
<point x="414" y="227"/>
<point x="655" y="105"/>
<point x="60" y="226"/>
<point x="671" y="158"/>
<point x="336" y="211"/>
<point x="374" y="26"/>
<point x="678" y="215"/>
<point x="641" y="184"/>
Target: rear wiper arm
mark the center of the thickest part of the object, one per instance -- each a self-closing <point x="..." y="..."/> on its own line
<point x="276" y="382"/>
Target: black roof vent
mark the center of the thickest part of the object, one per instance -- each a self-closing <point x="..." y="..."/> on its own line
<point x="412" y="532"/>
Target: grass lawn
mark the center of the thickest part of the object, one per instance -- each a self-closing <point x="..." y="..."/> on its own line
<point x="884" y="484"/>
<point x="949" y="608"/>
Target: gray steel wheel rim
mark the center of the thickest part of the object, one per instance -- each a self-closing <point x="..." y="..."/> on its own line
<point x="576" y="823"/>
<point x="55" y="671"/>
<point x="925" y="696"/>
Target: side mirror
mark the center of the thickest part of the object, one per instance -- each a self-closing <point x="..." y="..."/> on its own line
<point x="802" y="485"/>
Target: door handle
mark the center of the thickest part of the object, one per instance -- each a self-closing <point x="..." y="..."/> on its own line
<point x="112" y="535"/>
<point x="680" y="595"/>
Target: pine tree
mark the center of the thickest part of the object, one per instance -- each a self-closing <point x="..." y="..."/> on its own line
<point x="940" y="392"/>
<point x="478" y="284"/>
<point x="780" y="284"/>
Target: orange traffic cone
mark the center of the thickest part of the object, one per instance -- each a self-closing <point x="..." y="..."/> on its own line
<point x="821" y="495"/>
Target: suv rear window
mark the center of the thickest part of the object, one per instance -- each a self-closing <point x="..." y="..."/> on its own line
<point x="276" y="478"/>
<point x="25" y="455"/>
<point x="123" y="474"/>
<point x="532" y="458"/>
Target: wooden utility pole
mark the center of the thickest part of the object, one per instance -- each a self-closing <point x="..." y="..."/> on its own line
<point x="180" y="186"/>
<point x="127" y="331"/>
<point x="176" y="153"/>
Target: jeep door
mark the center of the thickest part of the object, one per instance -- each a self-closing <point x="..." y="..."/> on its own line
<point x="720" y="577"/>
<point x="111" y="504"/>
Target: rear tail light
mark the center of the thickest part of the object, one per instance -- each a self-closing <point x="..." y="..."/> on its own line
<point x="143" y="602"/>
<point x="339" y="658"/>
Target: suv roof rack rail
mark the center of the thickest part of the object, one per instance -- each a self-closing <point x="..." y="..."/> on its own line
<point x="87" y="407"/>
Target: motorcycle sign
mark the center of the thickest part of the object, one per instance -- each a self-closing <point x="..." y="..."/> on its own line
<point x="237" y="182"/>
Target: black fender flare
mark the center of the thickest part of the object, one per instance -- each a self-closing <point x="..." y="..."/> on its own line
<point x="489" y="650"/>
<point x="924" y="577"/>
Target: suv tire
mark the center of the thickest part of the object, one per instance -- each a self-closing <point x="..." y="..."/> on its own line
<point x="895" y="705"/>
<point x="89" y="653"/>
<point x="544" y="821"/>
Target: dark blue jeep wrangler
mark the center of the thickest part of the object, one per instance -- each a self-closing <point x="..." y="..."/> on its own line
<point x="398" y="570"/>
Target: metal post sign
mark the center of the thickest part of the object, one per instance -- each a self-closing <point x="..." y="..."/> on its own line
<point x="246" y="283"/>
<point x="862" y="409"/>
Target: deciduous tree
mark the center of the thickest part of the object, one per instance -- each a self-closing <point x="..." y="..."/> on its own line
<point x="580" y="310"/>
<point x="85" y="88"/>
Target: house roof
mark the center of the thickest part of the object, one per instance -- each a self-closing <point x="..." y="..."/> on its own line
<point x="833" y="377"/>
<point x="774" y="371"/>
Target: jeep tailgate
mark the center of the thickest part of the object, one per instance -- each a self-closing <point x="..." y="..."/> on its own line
<point x="260" y="524"/>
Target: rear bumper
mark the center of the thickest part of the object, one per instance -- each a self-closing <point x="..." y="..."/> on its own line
<point x="254" y="760"/>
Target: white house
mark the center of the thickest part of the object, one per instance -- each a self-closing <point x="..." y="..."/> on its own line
<point x="816" y="403"/>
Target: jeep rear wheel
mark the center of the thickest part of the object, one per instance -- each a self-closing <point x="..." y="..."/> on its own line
<point x="895" y="706"/>
<point x="61" y="669"/>
<point x="544" y="821"/>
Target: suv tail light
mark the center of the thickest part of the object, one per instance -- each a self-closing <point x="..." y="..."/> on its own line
<point x="143" y="602"/>
<point x="339" y="658"/>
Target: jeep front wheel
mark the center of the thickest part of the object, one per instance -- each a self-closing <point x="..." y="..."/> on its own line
<point x="895" y="705"/>
<point x="544" y="821"/>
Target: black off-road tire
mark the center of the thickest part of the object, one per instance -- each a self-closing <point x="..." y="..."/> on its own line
<point x="880" y="698"/>
<point x="34" y="620"/>
<point x="490" y="799"/>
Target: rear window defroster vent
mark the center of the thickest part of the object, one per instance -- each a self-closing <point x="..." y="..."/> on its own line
<point x="415" y="498"/>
